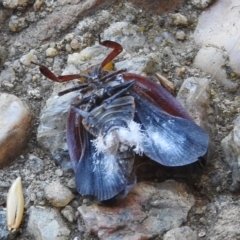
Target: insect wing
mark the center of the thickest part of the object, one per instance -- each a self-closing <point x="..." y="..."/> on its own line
<point x="74" y="138"/>
<point x="160" y="95"/>
<point x="97" y="174"/>
<point x="170" y="140"/>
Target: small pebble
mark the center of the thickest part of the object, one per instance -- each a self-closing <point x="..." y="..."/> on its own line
<point x="201" y="3"/>
<point x="180" y="35"/>
<point x="68" y="48"/>
<point x="201" y="234"/>
<point x="57" y="194"/>
<point x="28" y="58"/>
<point x="51" y="52"/>
<point x="38" y="4"/>
<point x="59" y="172"/>
<point x="71" y="183"/>
<point x="16" y="24"/>
<point x="179" y="19"/>
<point x="75" y="44"/>
<point x="68" y="213"/>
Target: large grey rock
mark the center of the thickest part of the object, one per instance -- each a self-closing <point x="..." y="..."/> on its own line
<point x="149" y="210"/>
<point x="14" y="127"/>
<point x="46" y="224"/>
<point x="221" y="30"/>
<point x="227" y="224"/>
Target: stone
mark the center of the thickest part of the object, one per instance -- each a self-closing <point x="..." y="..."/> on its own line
<point x="28" y="58"/>
<point x="180" y="35"/>
<point x="16" y="24"/>
<point x="211" y="60"/>
<point x="3" y="54"/>
<point x="7" y="77"/>
<point x="57" y="194"/>
<point x="230" y="146"/>
<point x="128" y="35"/>
<point x="140" y="65"/>
<point x="185" y="233"/>
<point x="38" y="4"/>
<point x="179" y="19"/>
<point x="75" y="44"/>
<point x="14" y="127"/>
<point x="149" y="210"/>
<point x="51" y="52"/>
<point x="4" y="232"/>
<point x="221" y="30"/>
<point x="35" y="164"/>
<point x="14" y="3"/>
<point x="46" y="224"/>
<point x="52" y="134"/>
<point x="68" y="213"/>
<point x="226" y="225"/>
<point x="53" y="23"/>
<point x="201" y="3"/>
<point x="194" y="95"/>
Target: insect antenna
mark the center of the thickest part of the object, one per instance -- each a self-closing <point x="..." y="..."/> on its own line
<point x="81" y="87"/>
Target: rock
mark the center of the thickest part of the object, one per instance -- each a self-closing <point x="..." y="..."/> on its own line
<point x="180" y="35"/>
<point x="52" y="134"/>
<point x="14" y="127"/>
<point x="38" y="4"/>
<point x="57" y="194"/>
<point x="15" y="3"/>
<point x="201" y="3"/>
<point x="28" y="58"/>
<point x="210" y="60"/>
<point x="59" y="172"/>
<point x="53" y="23"/>
<point x="149" y="210"/>
<point x="51" y="52"/>
<point x="226" y="225"/>
<point x="185" y="233"/>
<point x="16" y="24"/>
<point x="128" y="35"/>
<point x="71" y="183"/>
<point x="75" y="44"/>
<point x="35" y="164"/>
<point x="4" y="233"/>
<point x="169" y="37"/>
<point x="212" y="30"/>
<point x="194" y="95"/>
<point x="3" y="54"/>
<point x="7" y="77"/>
<point x="139" y="65"/>
<point x="68" y="213"/>
<point x="86" y="56"/>
<point x="230" y="146"/>
<point x="179" y="19"/>
<point x="46" y="224"/>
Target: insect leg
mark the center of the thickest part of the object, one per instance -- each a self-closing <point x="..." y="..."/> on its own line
<point x="117" y="49"/>
<point x="65" y="78"/>
<point x="81" y="87"/>
<point x="112" y="76"/>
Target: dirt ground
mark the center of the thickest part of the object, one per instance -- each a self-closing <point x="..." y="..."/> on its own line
<point x="210" y="187"/>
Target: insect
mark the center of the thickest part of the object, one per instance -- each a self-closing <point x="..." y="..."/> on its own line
<point x="118" y="115"/>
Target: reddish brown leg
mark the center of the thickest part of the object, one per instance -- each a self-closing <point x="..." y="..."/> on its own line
<point x="117" y="49"/>
<point x="49" y="74"/>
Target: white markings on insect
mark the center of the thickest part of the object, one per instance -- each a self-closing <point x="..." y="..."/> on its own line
<point x="121" y="139"/>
